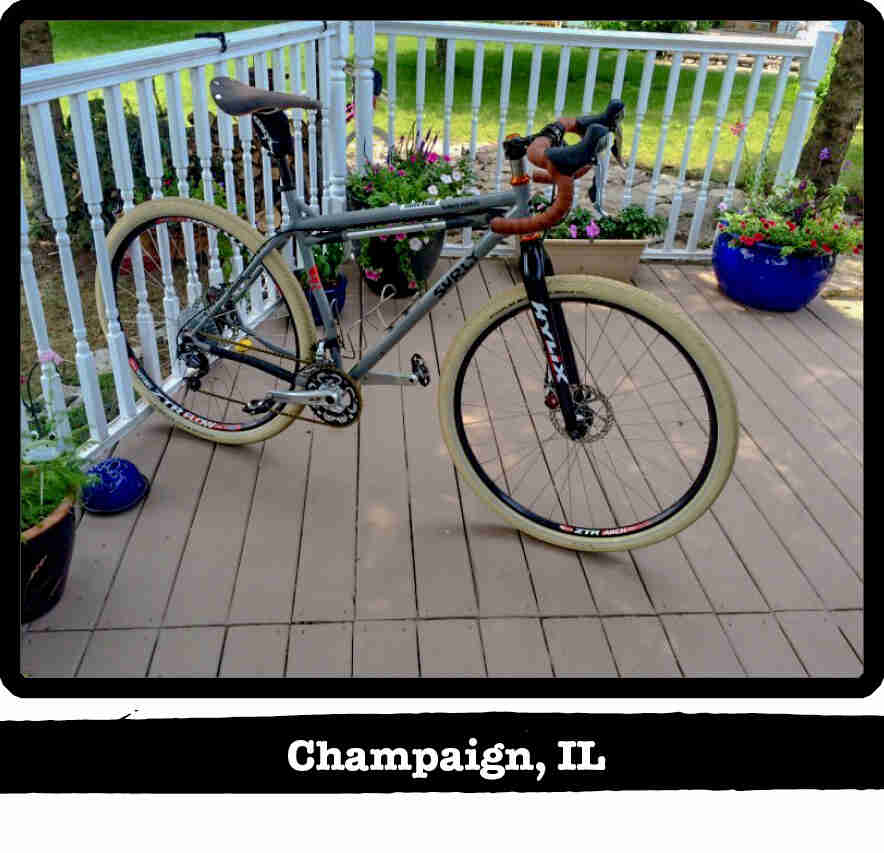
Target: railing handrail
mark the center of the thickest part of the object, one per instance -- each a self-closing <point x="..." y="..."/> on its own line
<point x="45" y="82"/>
<point x="752" y="45"/>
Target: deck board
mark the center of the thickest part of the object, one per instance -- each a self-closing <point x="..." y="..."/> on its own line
<point x="361" y="552"/>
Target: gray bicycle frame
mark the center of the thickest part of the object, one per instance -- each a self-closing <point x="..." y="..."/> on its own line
<point x="375" y="222"/>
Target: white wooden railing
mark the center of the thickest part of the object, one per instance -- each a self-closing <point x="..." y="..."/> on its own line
<point x="562" y="42"/>
<point x="315" y="53"/>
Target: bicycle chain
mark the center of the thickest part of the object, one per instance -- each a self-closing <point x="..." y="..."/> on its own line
<point x="311" y="368"/>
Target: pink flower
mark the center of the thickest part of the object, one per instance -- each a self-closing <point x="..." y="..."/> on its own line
<point x="412" y="159"/>
<point x="593" y="230"/>
<point x="400" y="237"/>
<point x="432" y="157"/>
<point x="446" y="158"/>
<point x="401" y="172"/>
<point x="412" y="285"/>
<point x="50" y="355"/>
<point x="383" y="236"/>
<point x="738" y="128"/>
<point x="374" y="275"/>
<point x="573" y="230"/>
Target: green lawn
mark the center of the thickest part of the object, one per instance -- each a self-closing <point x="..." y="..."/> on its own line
<point x="77" y="39"/>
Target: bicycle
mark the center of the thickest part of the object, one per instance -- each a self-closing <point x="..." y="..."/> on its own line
<point x="583" y="384"/>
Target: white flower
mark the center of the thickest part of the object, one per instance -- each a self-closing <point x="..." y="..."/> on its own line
<point x="446" y="179"/>
<point x="415" y="244"/>
<point x="456" y="175"/>
<point x="474" y="191"/>
<point x="433" y="189"/>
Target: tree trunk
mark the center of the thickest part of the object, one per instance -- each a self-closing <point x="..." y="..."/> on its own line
<point x="36" y="49"/>
<point x="839" y="114"/>
<point x="441" y="47"/>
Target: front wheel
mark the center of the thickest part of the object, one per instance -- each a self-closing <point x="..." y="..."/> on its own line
<point x="662" y="419"/>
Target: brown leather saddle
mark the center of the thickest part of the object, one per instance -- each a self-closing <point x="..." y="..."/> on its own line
<point x="237" y="99"/>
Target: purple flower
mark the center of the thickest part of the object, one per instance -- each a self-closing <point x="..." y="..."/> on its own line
<point x="573" y="230"/>
<point x="824" y="154"/>
<point x="848" y="164"/>
<point x="374" y="275"/>
<point x="593" y="230"/>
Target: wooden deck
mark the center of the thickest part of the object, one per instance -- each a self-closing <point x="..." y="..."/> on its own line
<point x="358" y="552"/>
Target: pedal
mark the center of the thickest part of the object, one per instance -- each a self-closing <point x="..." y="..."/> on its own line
<point x="420" y="370"/>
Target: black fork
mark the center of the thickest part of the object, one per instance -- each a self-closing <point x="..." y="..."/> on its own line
<point x="549" y="319"/>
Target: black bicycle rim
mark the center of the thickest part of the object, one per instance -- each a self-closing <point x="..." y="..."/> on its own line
<point x="590" y="530"/>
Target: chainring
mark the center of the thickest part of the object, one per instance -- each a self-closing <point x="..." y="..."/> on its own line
<point x="345" y="413"/>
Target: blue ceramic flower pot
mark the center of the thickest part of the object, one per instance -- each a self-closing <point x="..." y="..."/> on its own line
<point x="760" y="277"/>
<point x="336" y="293"/>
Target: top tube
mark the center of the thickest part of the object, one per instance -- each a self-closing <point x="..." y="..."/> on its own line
<point x="415" y="212"/>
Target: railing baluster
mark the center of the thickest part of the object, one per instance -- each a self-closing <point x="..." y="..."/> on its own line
<point x="476" y="103"/>
<point x="748" y="109"/>
<point x="121" y="157"/>
<point x="311" y="128"/>
<point x="279" y="84"/>
<point x="640" y="110"/>
<point x="616" y="92"/>
<point x="723" y="100"/>
<point x="506" y="80"/>
<point x="225" y="140"/>
<point x="534" y="86"/>
<point x="244" y="125"/>
<point x="338" y="47"/>
<point x="812" y="69"/>
<point x="775" y="107"/>
<point x="592" y="64"/>
<point x="449" y="94"/>
<point x="90" y="183"/>
<point x="421" y="85"/>
<point x="49" y="378"/>
<point x="261" y="80"/>
<point x="153" y="164"/>
<point x="181" y="162"/>
<point x="668" y="105"/>
<point x="391" y="90"/>
<point x="298" y="87"/>
<point x="696" y="102"/>
<point x="562" y="79"/>
<point x="327" y="135"/>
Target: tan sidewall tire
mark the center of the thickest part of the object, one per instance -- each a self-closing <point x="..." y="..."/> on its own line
<point x="654" y="309"/>
<point x="275" y="266"/>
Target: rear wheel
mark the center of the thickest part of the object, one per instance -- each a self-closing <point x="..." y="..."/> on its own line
<point x="172" y="257"/>
<point x="662" y="420"/>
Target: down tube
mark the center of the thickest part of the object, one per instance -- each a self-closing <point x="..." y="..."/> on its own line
<point x="425" y="304"/>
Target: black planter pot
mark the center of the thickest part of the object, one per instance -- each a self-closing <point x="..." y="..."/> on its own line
<point x="46" y="552"/>
<point x="385" y="258"/>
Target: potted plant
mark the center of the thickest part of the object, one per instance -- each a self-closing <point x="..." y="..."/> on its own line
<point x="413" y="171"/>
<point x="51" y="483"/>
<point x="609" y="246"/>
<point x="328" y="257"/>
<point x="780" y="249"/>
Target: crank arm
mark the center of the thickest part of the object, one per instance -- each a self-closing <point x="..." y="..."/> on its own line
<point x="328" y="397"/>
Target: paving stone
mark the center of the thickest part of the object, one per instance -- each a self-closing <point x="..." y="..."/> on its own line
<point x="820" y="644"/>
<point x="450" y="647"/>
<point x="761" y="645"/>
<point x="254" y="651"/>
<point x="640" y="647"/>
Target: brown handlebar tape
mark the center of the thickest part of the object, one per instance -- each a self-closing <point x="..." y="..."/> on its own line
<point x="546" y="173"/>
